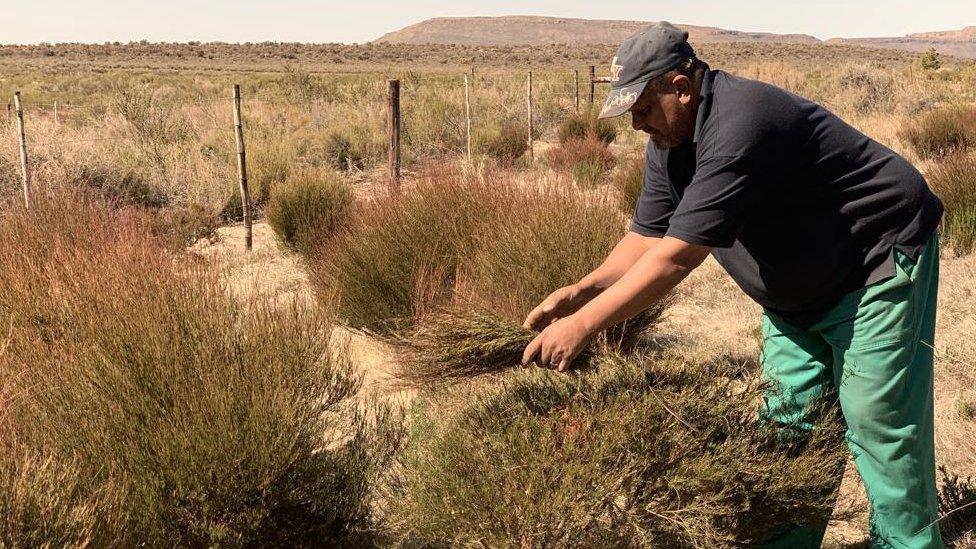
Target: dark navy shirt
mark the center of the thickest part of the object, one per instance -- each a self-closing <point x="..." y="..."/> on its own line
<point x="800" y="207"/>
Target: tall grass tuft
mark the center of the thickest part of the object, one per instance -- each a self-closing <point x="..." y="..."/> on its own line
<point x="942" y="131"/>
<point x="583" y="125"/>
<point x="208" y="421"/>
<point x="628" y="180"/>
<point x="506" y="142"/>
<point x="588" y="159"/>
<point x="954" y="180"/>
<point x="307" y="206"/>
<point x="957" y="505"/>
<point x="482" y="239"/>
<point x="402" y="246"/>
<point x="614" y="458"/>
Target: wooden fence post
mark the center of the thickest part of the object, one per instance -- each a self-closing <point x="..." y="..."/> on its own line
<point x="467" y="114"/>
<point x="528" y="100"/>
<point x="22" y="136"/>
<point x="242" y="169"/>
<point x="576" y="86"/>
<point x="394" y="135"/>
<point x="592" y="85"/>
<point x="56" y="121"/>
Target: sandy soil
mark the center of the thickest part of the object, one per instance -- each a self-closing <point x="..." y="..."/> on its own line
<point x="711" y="317"/>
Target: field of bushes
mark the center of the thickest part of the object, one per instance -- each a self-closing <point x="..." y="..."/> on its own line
<point x="145" y="402"/>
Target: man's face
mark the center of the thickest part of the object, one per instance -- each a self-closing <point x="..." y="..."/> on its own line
<point x="666" y="113"/>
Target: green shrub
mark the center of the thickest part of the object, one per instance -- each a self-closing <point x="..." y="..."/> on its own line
<point x="587" y="159"/>
<point x="957" y="505"/>
<point x="44" y="503"/>
<point x="434" y="127"/>
<point x="942" y="131"/>
<point x="629" y="179"/>
<point x="954" y="180"/>
<point x="213" y="422"/>
<point x="401" y="253"/>
<point x="506" y="142"/>
<point x="485" y="238"/>
<point x="308" y="205"/>
<point x="581" y="126"/>
<point x="613" y="459"/>
<point x="349" y="150"/>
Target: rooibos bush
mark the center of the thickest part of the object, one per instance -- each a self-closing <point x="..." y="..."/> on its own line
<point x="580" y="126"/>
<point x="954" y="181"/>
<point x="942" y="131"/>
<point x="628" y="179"/>
<point x="614" y="459"/>
<point x="212" y="422"/>
<point x="505" y="143"/>
<point x="588" y="159"/>
<point x="310" y="204"/>
<point x="486" y="239"/>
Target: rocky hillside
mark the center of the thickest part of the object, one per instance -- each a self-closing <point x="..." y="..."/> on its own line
<point x="526" y="30"/>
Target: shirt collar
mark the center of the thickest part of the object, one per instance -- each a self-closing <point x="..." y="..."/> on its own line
<point x="704" y="102"/>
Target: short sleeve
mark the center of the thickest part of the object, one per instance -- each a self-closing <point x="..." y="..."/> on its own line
<point x="715" y="203"/>
<point x="655" y="203"/>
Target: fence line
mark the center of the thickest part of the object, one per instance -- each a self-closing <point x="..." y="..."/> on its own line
<point x="547" y="90"/>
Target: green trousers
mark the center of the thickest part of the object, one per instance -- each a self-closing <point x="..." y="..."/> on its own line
<point x="873" y="351"/>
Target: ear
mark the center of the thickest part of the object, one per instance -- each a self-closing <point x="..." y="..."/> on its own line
<point x="682" y="86"/>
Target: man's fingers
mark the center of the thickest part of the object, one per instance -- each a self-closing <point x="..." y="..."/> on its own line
<point x="535" y="317"/>
<point x="563" y="365"/>
<point x="531" y="349"/>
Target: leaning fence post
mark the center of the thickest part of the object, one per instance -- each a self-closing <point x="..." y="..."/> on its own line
<point x="394" y="135"/>
<point x="467" y="115"/>
<point x="242" y="169"/>
<point x="592" y="85"/>
<point x="22" y="136"/>
<point x="528" y="100"/>
<point x="576" y="87"/>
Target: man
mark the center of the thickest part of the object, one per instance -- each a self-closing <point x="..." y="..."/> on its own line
<point x="831" y="232"/>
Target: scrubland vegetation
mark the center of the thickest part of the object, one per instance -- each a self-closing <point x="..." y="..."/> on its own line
<point x="141" y="403"/>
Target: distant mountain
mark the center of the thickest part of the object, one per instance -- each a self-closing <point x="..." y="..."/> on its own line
<point x="526" y="30"/>
<point x="961" y="43"/>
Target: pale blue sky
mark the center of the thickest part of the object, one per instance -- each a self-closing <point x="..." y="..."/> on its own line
<point x="34" y="21"/>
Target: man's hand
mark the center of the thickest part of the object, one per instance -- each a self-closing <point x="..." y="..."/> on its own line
<point x="560" y="303"/>
<point x="558" y="344"/>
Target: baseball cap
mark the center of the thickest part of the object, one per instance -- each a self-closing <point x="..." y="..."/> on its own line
<point x="642" y="57"/>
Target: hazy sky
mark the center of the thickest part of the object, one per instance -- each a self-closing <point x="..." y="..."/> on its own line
<point x="34" y="21"/>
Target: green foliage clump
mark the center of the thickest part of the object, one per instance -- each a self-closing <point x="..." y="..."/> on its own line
<point x="628" y="179"/>
<point x="484" y="238"/>
<point x="941" y="132"/>
<point x="307" y="206"/>
<point x="181" y="416"/>
<point x="930" y="60"/>
<point x="954" y="180"/>
<point x="506" y="142"/>
<point x="346" y="150"/>
<point x="618" y="458"/>
<point x="588" y="159"/>
<point x="581" y="126"/>
<point x="957" y="505"/>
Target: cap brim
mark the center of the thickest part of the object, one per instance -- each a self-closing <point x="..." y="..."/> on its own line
<point x="620" y="100"/>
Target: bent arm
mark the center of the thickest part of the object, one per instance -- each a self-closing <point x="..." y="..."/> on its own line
<point x="659" y="269"/>
<point x="624" y="255"/>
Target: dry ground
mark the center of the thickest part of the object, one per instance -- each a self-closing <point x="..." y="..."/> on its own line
<point x="710" y="318"/>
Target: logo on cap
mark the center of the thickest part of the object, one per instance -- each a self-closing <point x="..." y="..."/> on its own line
<point x="615" y="70"/>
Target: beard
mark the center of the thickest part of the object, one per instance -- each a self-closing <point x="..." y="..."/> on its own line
<point x="663" y="141"/>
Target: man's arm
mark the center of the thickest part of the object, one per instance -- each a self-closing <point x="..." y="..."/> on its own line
<point x="652" y="276"/>
<point x="568" y="299"/>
